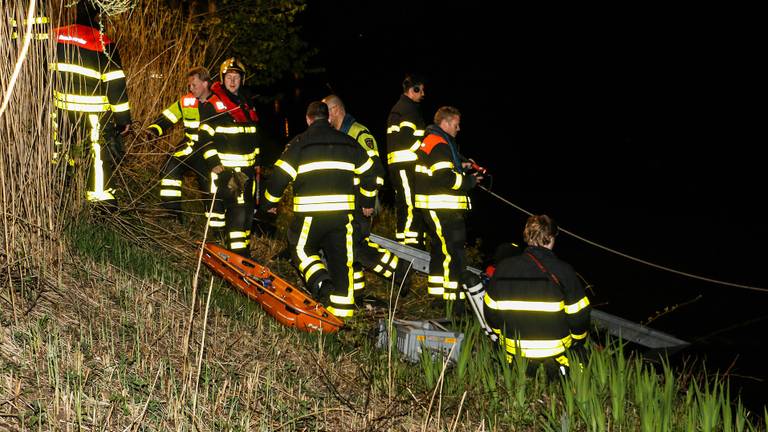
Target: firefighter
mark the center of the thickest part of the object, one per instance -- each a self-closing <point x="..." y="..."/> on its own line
<point x="230" y="144"/>
<point x="405" y="129"/>
<point x="441" y="186"/>
<point x="535" y="301"/>
<point x="40" y="24"/>
<point x="91" y="98"/>
<point x="367" y="253"/>
<point x="186" y="156"/>
<point x="322" y="163"/>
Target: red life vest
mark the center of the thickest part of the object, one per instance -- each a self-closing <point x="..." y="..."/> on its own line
<point x="242" y="113"/>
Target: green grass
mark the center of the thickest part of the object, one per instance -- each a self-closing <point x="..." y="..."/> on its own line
<point x="112" y="357"/>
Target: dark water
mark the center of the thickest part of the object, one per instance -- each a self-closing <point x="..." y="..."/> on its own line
<point x="636" y="132"/>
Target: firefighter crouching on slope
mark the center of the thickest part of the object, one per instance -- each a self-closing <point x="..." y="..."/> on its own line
<point x="230" y="145"/>
<point x="367" y="253"/>
<point x="91" y="98"/>
<point x="441" y="194"/>
<point x="186" y="156"/>
<point x="405" y="129"/>
<point x="536" y="303"/>
<point x="323" y="163"/>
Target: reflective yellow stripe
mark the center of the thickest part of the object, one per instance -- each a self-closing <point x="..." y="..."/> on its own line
<point x="170" y="193"/>
<point x="110" y="76"/>
<point x="418" y="132"/>
<point x="170" y="182"/>
<point x="401" y="156"/>
<point x="210" y="153"/>
<point x="238" y="245"/>
<point x="379" y="181"/>
<point x="326" y="165"/>
<point x="305" y="208"/>
<point x="538" y="348"/>
<point x="407" y="124"/>
<point x="238" y="160"/>
<point x="235" y="129"/>
<point x="66" y="67"/>
<point x="206" y="128"/>
<point x="441" y="201"/>
<point x="170" y="116"/>
<point x="579" y="336"/>
<point x="343" y="313"/>
<point x="271" y="198"/>
<point x="64" y="97"/>
<point x="71" y="106"/>
<point x="393" y="129"/>
<point x="457" y="183"/>
<point x="517" y="305"/>
<point x="317" y="199"/>
<point x="238" y="234"/>
<point x="285" y="166"/>
<point x="157" y="128"/>
<point x="318" y="265"/>
<point x="191" y="124"/>
<point x="185" y="152"/>
<point x="193" y="137"/>
<point x="579" y="305"/>
<point x="349" y="299"/>
<point x="441" y="165"/>
<point x="443" y="247"/>
<point x="370" y="194"/>
<point x="409" y="207"/>
<point x="364" y="167"/>
<point x="415" y="146"/>
<point x="121" y="107"/>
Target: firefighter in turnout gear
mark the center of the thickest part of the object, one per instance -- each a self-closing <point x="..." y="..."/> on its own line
<point x="323" y="164"/>
<point x="230" y="145"/>
<point x="367" y="253"/>
<point x="40" y="24"/>
<point x="186" y="156"/>
<point x="405" y="129"/>
<point x="441" y="195"/>
<point x="91" y="99"/>
<point x="536" y="303"/>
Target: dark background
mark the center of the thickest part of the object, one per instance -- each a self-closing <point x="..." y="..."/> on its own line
<point x="638" y="128"/>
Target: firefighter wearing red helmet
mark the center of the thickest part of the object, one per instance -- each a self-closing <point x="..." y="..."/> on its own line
<point x="231" y="147"/>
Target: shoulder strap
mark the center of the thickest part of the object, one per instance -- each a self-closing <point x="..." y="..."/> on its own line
<point x="544" y="269"/>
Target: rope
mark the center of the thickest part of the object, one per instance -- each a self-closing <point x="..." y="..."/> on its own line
<point x="630" y="257"/>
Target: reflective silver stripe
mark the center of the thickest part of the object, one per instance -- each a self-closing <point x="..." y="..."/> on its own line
<point x="121" y="107"/>
<point x="271" y="198"/>
<point x="326" y="165"/>
<point x="285" y="166"/>
<point x="191" y="124"/>
<point x="170" y="182"/>
<point x="110" y="76"/>
<point x="401" y="156"/>
<point x="457" y="182"/>
<point x="208" y="129"/>
<point x="71" y="106"/>
<point x="579" y="305"/>
<point x="305" y="208"/>
<point x="238" y="160"/>
<point x="66" y="67"/>
<point x="516" y="305"/>
<point x="441" y="165"/>
<point x="64" y="97"/>
<point x="170" y="193"/>
<point x="364" y="167"/>
<point x="170" y="116"/>
<point x="369" y="194"/>
<point x="186" y="152"/>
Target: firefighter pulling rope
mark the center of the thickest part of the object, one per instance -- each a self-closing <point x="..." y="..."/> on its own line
<point x="642" y="261"/>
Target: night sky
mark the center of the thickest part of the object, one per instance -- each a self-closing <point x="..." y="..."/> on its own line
<point x="640" y="129"/>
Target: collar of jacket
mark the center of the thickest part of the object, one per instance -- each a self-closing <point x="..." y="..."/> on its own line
<point x="320" y="124"/>
<point x="405" y="99"/>
<point x="347" y="123"/>
<point x="540" y="251"/>
<point x="435" y="130"/>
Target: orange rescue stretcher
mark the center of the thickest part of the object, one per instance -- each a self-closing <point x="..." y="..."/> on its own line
<point x="287" y="304"/>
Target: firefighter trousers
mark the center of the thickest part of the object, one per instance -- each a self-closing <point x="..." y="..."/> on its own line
<point x="232" y="214"/>
<point x="370" y="255"/>
<point x="410" y="223"/>
<point x="91" y="137"/>
<point x="331" y="232"/>
<point x="185" y="158"/>
<point x="448" y="234"/>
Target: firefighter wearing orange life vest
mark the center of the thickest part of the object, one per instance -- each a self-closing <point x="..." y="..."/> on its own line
<point x="186" y="156"/>
<point x="441" y="195"/>
<point x="230" y="143"/>
<point x="91" y="98"/>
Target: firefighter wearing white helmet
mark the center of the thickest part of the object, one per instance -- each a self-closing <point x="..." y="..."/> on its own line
<point x="232" y="147"/>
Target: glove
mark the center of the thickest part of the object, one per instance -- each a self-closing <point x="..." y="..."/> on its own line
<point x="236" y="184"/>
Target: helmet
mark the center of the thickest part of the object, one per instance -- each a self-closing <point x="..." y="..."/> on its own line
<point x="231" y="64"/>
